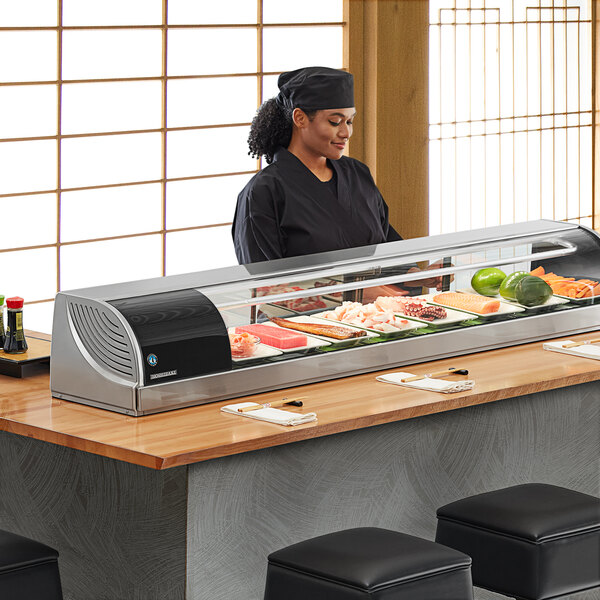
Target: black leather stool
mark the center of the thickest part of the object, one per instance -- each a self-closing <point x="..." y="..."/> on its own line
<point x="368" y="562"/>
<point x="531" y="542"/>
<point x="28" y="569"/>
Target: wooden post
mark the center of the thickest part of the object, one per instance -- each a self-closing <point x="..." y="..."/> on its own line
<point x="390" y="63"/>
<point x="596" y="115"/>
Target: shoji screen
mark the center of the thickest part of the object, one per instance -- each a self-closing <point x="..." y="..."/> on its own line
<point x="510" y="112"/>
<point x="123" y="127"/>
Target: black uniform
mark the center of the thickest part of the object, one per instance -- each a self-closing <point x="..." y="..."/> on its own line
<point x="286" y="211"/>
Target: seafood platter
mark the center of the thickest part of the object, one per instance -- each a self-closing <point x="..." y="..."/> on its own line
<point x="154" y="345"/>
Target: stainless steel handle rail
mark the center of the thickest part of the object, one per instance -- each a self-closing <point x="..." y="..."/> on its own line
<point x="414" y="276"/>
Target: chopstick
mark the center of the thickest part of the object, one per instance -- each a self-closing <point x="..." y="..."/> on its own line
<point x="574" y="344"/>
<point x="274" y="404"/>
<point x="450" y="371"/>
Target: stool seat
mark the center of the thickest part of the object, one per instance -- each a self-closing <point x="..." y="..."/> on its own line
<point x="28" y="569"/>
<point x="532" y="541"/>
<point x="368" y="562"/>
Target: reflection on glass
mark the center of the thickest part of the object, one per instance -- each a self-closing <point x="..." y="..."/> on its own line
<point x="99" y="54"/>
<point x="112" y="211"/>
<point x="111" y="159"/>
<point x="100" y="263"/>
<point x="116" y="106"/>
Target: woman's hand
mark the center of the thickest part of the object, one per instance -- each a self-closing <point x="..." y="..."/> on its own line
<point x="371" y="294"/>
<point x="429" y="282"/>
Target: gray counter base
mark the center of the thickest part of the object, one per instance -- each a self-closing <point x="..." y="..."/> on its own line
<point x="203" y="532"/>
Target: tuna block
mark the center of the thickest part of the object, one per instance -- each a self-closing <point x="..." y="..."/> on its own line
<point x="276" y="337"/>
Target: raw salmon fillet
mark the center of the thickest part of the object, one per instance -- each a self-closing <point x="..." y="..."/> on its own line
<point x="472" y="302"/>
<point x="274" y="336"/>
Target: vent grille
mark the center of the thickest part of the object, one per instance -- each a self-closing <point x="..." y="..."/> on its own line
<point x="104" y="337"/>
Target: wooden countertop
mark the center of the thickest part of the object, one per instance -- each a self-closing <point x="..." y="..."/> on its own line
<point x="190" y="435"/>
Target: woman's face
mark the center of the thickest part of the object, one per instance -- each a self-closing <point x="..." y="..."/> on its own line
<point x="328" y="132"/>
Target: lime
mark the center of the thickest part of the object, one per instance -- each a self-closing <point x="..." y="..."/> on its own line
<point x="532" y="291"/>
<point x="487" y="281"/>
<point x="507" y="288"/>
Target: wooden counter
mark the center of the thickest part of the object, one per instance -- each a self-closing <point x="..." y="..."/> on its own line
<point x="201" y="433"/>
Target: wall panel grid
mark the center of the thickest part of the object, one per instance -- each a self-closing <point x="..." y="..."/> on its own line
<point x="123" y="129"/>
<point x="510" y="112"/>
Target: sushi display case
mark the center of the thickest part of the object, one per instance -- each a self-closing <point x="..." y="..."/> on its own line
<point x="154" y="345"/>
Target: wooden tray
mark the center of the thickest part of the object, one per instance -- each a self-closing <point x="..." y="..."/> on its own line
<point x="38" y="354"/>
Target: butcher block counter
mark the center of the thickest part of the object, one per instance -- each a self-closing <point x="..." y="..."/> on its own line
<point x="201" y="433"/>
<point x="166" y="505"/>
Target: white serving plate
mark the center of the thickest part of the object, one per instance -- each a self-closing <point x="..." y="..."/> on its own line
<point x="312" y="341"/>
<point x="505" y="307"/>
<point x="262" y="351"/>
<point x="453" y="316"/>
<point x="321" y="321"/>
<point x="411" y="325"/>
<point x="550" y="302"/>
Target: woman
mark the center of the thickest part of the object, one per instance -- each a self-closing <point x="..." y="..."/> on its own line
<point x="310" y="198"/>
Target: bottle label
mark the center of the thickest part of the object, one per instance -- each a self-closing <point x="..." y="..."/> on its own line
<point x="19" y="320"/>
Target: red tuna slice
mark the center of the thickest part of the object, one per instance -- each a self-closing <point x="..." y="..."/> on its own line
<point x="277" y="337"/>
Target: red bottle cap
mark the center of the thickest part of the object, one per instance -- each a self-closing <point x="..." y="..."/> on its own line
<point x="14" y="302"/>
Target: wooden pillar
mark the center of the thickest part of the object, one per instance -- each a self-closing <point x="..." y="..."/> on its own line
<point x="596" y="114"/>
<point x="387" y="43"/>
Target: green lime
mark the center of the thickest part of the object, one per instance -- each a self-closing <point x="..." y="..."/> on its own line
<point x="532" y="291"/>
<point x="507" y="288"/>
<point x="487" y="281"/>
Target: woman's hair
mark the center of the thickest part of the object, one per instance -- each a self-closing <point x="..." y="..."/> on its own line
<point x="271" y="127"/>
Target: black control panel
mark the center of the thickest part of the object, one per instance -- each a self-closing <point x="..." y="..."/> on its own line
<point x="181" y="334"/>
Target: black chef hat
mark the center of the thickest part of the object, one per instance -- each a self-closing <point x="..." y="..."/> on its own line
<point x="316" y="88"/>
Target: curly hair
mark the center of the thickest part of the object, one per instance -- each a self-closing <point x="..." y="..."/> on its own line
<point x="271" y="127"/>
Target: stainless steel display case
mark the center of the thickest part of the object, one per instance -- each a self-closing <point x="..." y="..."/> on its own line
<point x="159" y="344"/>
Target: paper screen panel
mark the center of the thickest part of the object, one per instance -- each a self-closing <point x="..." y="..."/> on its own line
<point x="192" y="12"/>
<point x="112" y="12"/>
<point x="288" y="11"/>
<point x="37" y="212"/>
<point x="205" y="201"/>
<point x="16" y="268"/>
<point x="109" y="212"/>
<point x="33" y="55"/>
<point x="288" y="48"/>
<point x="112" y="53"/>
<point x="198" y="250"/>
<point x="28" y="13"/>
<point x="28" y="111"/>
<point x="115" y="106"/>
<point x="101" y="160"/>
<point x="208" y="151"/>
<point x="112" y="261"/>
<point x="207" y="51"/>
<point x="211" y="101"/>
<point x="28" y="166"/>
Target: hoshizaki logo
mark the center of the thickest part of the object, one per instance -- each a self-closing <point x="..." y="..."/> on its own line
<point x="152" y="360"/>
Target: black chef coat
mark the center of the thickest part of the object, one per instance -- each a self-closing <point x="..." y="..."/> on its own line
<point x="285" y="210"/>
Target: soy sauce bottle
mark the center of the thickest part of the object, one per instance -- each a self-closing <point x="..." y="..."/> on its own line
<point x="15" y="342"/>
<point x="2" y="335"/>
